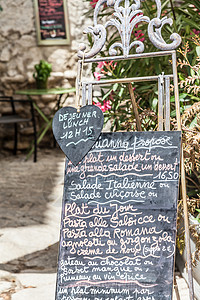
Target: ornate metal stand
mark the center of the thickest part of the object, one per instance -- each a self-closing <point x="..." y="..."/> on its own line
<point x="125" y="18"/>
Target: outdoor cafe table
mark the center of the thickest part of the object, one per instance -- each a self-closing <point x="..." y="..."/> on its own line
<point x="48" y="120"/>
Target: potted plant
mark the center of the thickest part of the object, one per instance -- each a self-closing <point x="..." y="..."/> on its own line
<point x="42" y="73"/>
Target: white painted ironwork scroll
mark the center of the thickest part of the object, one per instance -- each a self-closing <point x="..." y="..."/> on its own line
<point x="125" y="18"/>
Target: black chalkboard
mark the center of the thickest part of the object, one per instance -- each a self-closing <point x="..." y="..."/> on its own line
<point x="52" y="22"/>
<point x="76" y="132"/>
<point x="118" y="224"/>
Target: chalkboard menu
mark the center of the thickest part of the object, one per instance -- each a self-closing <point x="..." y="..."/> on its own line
<point x="52" y="22"/>
<point x="118" y="223"/>
<point x="76" y="132"/>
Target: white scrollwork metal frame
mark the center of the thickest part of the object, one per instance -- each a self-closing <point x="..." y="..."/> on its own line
<point x="125" y="18"/>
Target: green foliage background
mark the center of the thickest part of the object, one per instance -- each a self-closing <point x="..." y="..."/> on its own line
<point x="186" y="22"/>
<point x="185" y="15"/>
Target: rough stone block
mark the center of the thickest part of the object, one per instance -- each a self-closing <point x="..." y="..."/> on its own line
<point x="5" y="54"/>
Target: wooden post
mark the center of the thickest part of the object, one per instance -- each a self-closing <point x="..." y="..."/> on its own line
<point x="183" y="183"/>
<point x="134" y="105"/>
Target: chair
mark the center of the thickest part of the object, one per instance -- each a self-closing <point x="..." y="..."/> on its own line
<point x="14" y="118"/>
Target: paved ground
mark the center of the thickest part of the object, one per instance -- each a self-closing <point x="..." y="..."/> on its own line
<point x="30" y="209"/>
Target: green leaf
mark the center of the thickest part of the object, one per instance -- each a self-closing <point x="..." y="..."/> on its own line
<point x="193" y="123"/>
<point x="172" y="99"/>
<point x="164" y="4"/>
<point x="198" y="50"/>
<point x="115" y="86"/>
<point x="192" y="73"/>
<point x="196" y="4"/>
<point x="182" y="97"/>
<point x="154" y="104"/>
<point x="121" y="92"/>
<point x="194" y="97"/>
<point x="107" y="94"/>
<point x="173" y="113"/>
<point x="190" y="22"/>
<point x="187" y="29"/>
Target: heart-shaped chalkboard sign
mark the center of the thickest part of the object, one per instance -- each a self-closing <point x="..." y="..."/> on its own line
<point x="76" y="132"/>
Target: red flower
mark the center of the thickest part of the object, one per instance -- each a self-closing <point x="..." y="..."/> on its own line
<point x="97" y="75"/>
<point x="197" y="32"/>
<point x="100" y="64"/>
<point x="139" y="35"/>
<point x="93" y="3"/>
<point x="105" y="106"/>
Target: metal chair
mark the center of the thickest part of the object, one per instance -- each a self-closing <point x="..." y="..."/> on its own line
<point x="14" y="118"/>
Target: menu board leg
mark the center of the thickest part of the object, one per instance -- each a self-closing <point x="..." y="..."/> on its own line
<point x="183" y="182"/>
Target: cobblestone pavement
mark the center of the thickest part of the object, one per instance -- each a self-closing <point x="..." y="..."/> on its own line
<point x="30" y="209"/>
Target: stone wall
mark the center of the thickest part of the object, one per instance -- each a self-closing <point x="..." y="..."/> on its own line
<point x="19" y="53"/>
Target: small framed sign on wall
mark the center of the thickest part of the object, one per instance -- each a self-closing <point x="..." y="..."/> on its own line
<point x="52" y="22"/>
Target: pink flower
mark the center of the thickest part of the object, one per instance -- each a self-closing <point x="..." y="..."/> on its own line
<point x="197" y="32"/>
<point x="93" y="3"/>
<point x="100" y="64"/>
<point x="105" y="106"/>
<point x="137" y="32"/>
<point x="108" y="65"/>
<point x="142" y="40"/>
<point x="139" y="35"/>
<point x="97" y="75"/>
<point x="111" y="96"/>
